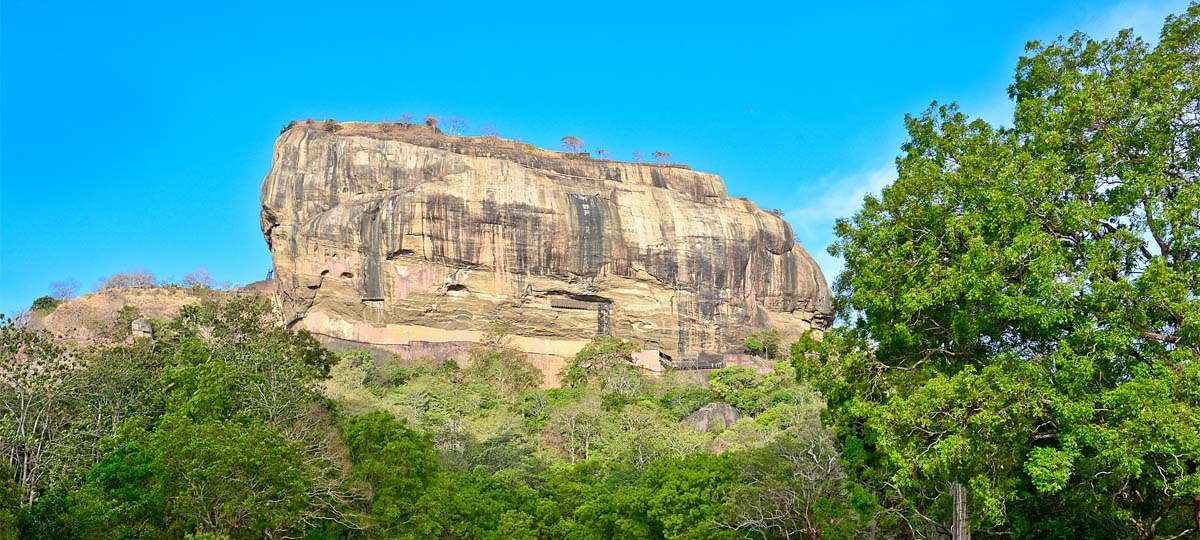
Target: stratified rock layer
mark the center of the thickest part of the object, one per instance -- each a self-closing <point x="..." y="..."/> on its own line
<point x="410" y="239"/>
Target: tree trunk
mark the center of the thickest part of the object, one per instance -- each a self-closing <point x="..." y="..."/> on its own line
<point x="960" y="528"/>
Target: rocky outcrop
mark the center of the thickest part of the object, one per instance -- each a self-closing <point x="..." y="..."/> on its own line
<point x="713" y="417"/>
<point x="406" y="238"/>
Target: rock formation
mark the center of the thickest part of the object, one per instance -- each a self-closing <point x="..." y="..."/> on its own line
<point x="419" y="242"/>
<point x="713" y="417"/>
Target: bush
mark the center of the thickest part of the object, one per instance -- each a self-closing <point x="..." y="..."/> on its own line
<point x="45" y="304"/>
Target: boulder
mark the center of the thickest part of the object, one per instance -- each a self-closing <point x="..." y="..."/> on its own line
<point x="713" y="417"/>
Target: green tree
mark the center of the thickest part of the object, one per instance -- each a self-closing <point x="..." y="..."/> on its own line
<point x="764" y="343"/>
<point x="1025" y="302"/>
<point x="742" y="387"/>
<point x="396" y="465"/>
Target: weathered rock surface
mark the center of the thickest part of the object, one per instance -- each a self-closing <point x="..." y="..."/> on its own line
<point x="713" y="417"/>
<point x="410" y="239"/>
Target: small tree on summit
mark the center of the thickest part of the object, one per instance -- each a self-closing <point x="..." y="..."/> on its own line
<point x="406" y="119"/>
<point x="662" y="157"/>
<point x="602" y="153"/>
<point x="431" y="121"/>
<point x="64" y="290"/>
<point x="455" y="125"/>
<point x="638" y="155"/>
<point x="574" y="144"/>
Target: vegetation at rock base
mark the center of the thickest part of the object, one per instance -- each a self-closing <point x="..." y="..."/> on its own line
<point x="225" y="425"/>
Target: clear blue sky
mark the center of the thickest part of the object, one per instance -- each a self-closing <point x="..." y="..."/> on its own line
<point x="136" y="134"/>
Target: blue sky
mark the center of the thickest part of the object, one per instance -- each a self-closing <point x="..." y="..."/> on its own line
<point x="136" y="135"/>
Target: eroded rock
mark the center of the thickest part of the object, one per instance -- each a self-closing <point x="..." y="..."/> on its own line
<point x="391" y="236"/>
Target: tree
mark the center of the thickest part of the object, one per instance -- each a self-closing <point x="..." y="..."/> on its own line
<point x="395" y="463"/>
<point x="44" y="304"/>
<point x="638" y="156"/>
<point x="456" y="126"/>
<point x="134" y="279"/>
<point x="489" y="131"/>
<point x="33" y="406"/>
<point x="198" y="279"/>
<point x="64" y="290"/>
<point x="602" y="153"/>
<point x="231" y="477"/>
<point x="431" y="121"/>
<point x="764" y="343"/>
<point x="740" y="386"/>
<point x="661" y="157"/>
<point x="573" y="144"/>
<point x="1017" y="291"/>
<point x="793" y="488"/>
<point x="509" y="370"/>
<point x="405" y="119"/>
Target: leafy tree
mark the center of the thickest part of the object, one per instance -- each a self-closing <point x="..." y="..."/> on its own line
<point x="793" y="488"/>
<point x="741" y="387"/>
<point x="231" y="478"/>
<point x="764" y="343"/>
<point x="573" y="144"/>
<point x="507" y="369"/>
<point x="431" y="121"/>
<point x="45" y="304"/>
<point x="395" y="463"/>
<point x="1025" y="301"/>
<point x="661" y="157"/>
<point x="601" y="353"/>
<point x="33" y="406"/>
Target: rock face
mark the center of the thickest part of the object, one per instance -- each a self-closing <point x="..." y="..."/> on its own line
<point x="714" y="417"/>
<point x="416" y="241"/>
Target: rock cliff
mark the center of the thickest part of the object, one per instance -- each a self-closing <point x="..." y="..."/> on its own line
<point x="420" y="242"/>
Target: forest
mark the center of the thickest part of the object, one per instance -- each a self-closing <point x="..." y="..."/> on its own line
<point x="1017" y="355"/>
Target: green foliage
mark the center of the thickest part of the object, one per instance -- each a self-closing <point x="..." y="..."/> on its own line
<point x="395" y="463"/>
<point x="45" y="304"/>
<point x="1024" y="302"/>
<point x="765" y="343"/>
<point x="741" y="387"/>
<point x="508" y="370"/>
<point x="10" y="503"/>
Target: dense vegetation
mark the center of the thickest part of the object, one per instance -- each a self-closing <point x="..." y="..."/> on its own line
<point x="1023" y="346"/>
<point x="1018" y="359"/>
<point x="218" y="427"/>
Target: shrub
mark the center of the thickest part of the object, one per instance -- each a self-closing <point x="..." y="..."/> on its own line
<point x="45" y="304"/>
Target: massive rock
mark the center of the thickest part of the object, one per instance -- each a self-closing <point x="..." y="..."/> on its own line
<point x="420" y="242"/>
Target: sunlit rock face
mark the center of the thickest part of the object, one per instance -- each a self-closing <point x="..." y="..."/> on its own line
<point x="420" y="242"/>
